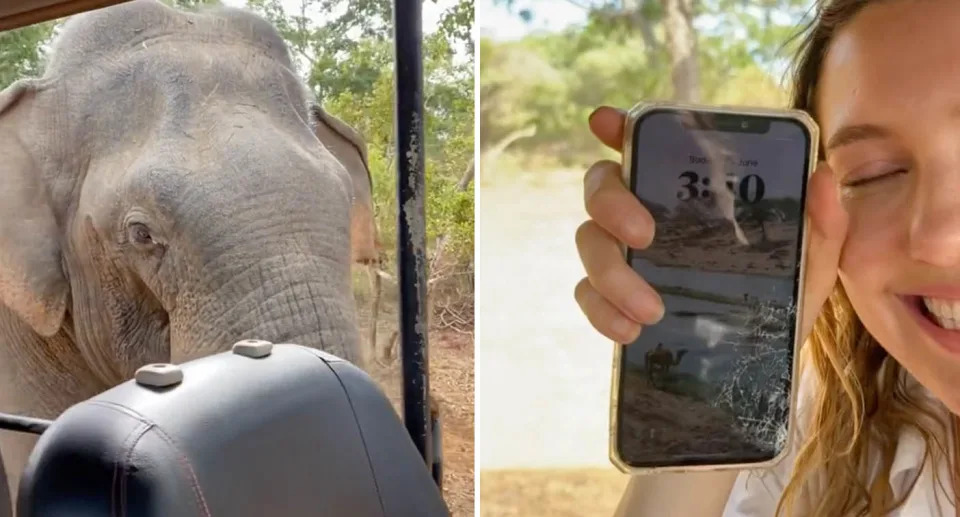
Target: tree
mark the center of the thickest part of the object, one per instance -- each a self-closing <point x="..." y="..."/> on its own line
<point x="22" y="52"/>
<point x="755" y="31"/>
<point x="731" y="53"/>
<point x="759" y="215"/>
<point x="643" y="16"/>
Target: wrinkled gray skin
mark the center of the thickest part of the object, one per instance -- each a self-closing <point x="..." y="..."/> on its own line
<point x="164" y="193"/>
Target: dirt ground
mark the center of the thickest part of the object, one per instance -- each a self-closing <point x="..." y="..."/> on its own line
<point x="772" y="250"/>
<point x="550" y="492"/>
<point x="661" y="423"/>
<point x="543" y="401"/>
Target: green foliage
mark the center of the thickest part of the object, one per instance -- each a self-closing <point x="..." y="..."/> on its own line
<point x="22" y="53"/>
<point x="348" y="62"/>
<point x="619" y="57"/>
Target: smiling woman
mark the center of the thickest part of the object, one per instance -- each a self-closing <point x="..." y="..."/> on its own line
<point x="878" y="398"/>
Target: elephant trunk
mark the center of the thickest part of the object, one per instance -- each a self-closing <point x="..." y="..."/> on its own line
<point x="284" y="298"/>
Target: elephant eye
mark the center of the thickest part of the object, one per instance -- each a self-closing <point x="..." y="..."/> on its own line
<point x="140" y="234"/>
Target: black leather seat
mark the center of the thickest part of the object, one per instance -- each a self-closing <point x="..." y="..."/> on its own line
<point x="296" y="433"/>
<point x="6" y="509"/>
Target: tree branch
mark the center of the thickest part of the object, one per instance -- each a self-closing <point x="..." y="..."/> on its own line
<point x="466" y="178"/>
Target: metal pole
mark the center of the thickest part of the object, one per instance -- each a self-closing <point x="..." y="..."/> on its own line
<point x="411" y="223"/>
<point x="23" y="424"/>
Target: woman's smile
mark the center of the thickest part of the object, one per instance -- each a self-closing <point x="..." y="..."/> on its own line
<point x="937" y="315"/>
<point x="944" y="311"/>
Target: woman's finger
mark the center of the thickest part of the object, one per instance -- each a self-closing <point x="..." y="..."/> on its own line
<point x="610" y="275"/>
<point x="606" y="123"/>
<point x="828" y="230"/>
<point x="604" y="317"/>
<point x="614" y="207"/>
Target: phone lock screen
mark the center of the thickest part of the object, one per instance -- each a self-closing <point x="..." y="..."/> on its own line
<point x="710" y="383"/>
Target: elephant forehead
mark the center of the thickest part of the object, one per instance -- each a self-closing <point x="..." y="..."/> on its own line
<point x="261" y="168"/>
<point x="190" y="103"/>
<point x="127" y="27"/>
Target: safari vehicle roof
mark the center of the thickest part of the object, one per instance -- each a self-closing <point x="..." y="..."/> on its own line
<point x="20" y="13"/>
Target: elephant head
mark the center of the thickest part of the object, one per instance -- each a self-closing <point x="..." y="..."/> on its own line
<point x="166" y="189"/>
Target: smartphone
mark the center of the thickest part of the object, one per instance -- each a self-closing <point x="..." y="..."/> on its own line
<point x="711" y="385"/>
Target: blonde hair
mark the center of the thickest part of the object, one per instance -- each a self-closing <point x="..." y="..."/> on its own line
<point x="860" y="403"/>
<point x="857" y="410"/>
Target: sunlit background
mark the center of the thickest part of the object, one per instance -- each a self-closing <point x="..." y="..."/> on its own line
<point x="544" y="373"/>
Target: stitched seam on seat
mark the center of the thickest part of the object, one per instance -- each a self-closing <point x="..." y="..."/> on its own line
<point x="194" y="483"/>
<point x="126" y="461"/>
<point x="185" y="463"/>
<point x="363" y="439"/>
<point x="135" y="434"/>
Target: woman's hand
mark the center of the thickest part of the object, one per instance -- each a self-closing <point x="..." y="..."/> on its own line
<point x="616" y="300"/>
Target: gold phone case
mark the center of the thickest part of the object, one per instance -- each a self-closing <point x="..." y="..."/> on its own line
<point x="802" y="117"/>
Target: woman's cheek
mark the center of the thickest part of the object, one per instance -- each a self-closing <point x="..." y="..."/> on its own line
<point x="873" y="234"/>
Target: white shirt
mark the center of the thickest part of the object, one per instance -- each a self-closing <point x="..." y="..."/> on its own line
<point x="756" y="493"/>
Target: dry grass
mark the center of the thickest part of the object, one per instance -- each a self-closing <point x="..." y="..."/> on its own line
<point x="550" y="492"/>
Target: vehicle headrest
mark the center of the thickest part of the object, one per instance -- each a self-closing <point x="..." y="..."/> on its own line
<point x="295" y="433"/>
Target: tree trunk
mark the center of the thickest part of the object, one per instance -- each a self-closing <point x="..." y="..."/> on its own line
<point x="682" y="46"/>
<point x="634" y="9"/>
<point x="466" y="178"/>
<point x="379" y="353"/>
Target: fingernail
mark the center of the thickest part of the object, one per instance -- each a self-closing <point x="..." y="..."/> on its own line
<point x="646" y="308"/>
<point x="639" y="306"/>
<point x="660" y="311"/>
<point x="593" y="180"/>
<point x="624" y="328"/>
<point x="592" y="113"/>
<point x="637" y="233"/>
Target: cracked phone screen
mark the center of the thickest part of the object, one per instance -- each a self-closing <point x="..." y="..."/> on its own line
<point x="710" y="383"/>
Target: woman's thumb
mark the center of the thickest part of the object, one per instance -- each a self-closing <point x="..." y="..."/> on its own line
<point x="828" y="229"/>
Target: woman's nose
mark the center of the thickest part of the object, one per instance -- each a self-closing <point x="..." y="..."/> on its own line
<point x="935" y="221"/>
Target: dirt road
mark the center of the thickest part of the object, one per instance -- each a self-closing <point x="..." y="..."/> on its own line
<point x="550" y="492"/>
<point x="544" y="372"/>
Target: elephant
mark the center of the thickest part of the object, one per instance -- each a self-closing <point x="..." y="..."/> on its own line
<point x="168" y="187"/>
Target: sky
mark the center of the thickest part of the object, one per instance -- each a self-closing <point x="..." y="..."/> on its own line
<point x="497" y="22"/>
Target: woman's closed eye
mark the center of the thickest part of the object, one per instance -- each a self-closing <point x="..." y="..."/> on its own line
<point x="871" y="175"/>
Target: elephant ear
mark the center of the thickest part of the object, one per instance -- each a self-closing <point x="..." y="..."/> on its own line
<point x="32" y="282"/>
<point x="349" y="148"/>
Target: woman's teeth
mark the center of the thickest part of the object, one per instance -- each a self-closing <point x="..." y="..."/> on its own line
<point x="945" y="312"/>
